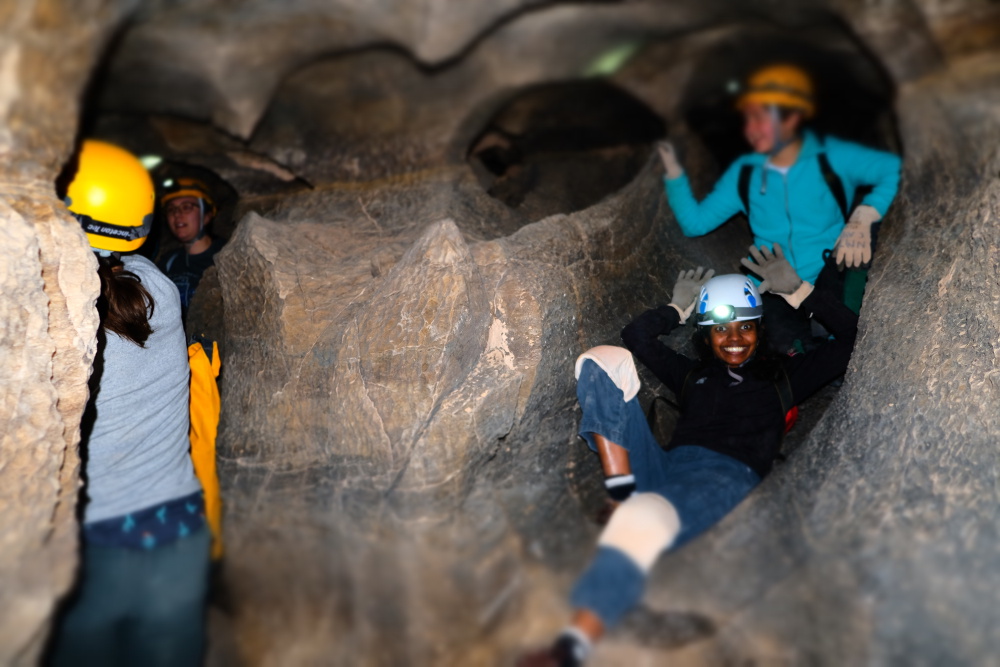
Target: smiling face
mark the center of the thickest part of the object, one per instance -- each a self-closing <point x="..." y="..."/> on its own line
<point x="183" y="216"/>
<point x="763" y="129"/>
<point x="734" y="343"/>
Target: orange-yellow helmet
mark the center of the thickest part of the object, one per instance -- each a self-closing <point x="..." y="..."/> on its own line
<point x="112" y="196"/>
<point x="189" y="187"/>
<point x="782" y="85"/>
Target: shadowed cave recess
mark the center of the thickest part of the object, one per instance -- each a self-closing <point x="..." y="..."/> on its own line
<point x="431" y="209"/>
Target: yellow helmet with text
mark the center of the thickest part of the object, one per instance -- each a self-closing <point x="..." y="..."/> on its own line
<point x="782" y="85"/>
<point x="112" y="196"/>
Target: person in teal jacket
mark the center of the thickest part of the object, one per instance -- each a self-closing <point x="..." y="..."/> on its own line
<point x="790" y="199"/>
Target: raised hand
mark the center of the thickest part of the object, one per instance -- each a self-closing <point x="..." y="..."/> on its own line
<point x="854" y="247"/>
<point x="777" y="274"/>
<point x="687" y="288"/>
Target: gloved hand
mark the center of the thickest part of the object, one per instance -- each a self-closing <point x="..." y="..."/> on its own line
<point x="778" y="275"/>
<point x="687" y="288"/>
<point x="854" y="247"/>
<point x="669" y="157"/>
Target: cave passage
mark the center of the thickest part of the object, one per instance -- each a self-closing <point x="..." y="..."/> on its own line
<point x="552" y="148"/>
<point x="562" y="147"/>
<point x="160" y="240"/>
<point x="854" y="96"/>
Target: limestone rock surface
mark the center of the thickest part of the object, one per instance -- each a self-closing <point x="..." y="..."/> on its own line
<point x="48" y="283"/>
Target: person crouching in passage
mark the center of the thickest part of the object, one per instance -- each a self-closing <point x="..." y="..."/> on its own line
<point x="726" y="439"/>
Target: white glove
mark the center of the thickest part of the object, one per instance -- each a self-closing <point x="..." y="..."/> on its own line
<point x="687" y="288"/>
<point x="670" y="162"/>
<point x="854" y="247"/>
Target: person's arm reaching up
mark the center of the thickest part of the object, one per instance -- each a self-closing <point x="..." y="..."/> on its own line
<point x="694" y="218"/>
<point x="807" y="372"/>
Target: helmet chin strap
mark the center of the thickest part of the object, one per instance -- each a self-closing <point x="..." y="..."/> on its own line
<point x="201" y="223"/>
<point x="779" y="143"/>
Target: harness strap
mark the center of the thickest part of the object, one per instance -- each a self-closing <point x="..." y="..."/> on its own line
<point x="743" y="187"/>
<point x="783" y="385"/>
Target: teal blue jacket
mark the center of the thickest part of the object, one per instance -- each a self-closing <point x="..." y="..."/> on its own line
<point x="795" y="210"/>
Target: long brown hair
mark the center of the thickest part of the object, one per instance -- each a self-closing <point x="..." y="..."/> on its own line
<point x="124" y="301"/>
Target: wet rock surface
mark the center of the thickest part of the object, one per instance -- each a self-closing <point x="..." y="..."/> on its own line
<point x="402" y="478"/>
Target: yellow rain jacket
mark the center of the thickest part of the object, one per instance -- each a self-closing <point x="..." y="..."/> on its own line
<point x="204" y="426"/>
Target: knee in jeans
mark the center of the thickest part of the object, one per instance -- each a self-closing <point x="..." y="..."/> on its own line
<point x="615" y="362"/>
<point x="642" y="528"/>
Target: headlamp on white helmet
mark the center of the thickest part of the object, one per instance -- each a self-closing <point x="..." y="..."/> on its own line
<point x="729" y="298"/>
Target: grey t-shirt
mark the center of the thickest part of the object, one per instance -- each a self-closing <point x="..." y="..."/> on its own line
<point x="137" y="452"/>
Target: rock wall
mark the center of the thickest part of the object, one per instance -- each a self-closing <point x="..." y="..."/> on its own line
<point x="49" y="284"/>
<point x="418" y="412"/>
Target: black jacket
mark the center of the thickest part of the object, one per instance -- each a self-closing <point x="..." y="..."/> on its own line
<point x="743" y="420"/>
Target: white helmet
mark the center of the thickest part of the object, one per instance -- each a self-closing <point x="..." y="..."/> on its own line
<point x="729" y="298"/>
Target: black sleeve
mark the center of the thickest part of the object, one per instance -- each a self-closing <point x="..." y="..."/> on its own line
<point x="641" y="338"/>
<point x="810" y="371"/>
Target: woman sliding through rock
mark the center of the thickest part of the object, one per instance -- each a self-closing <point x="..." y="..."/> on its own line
<point x="727" y="437"/>
<point x="796" y="189"/>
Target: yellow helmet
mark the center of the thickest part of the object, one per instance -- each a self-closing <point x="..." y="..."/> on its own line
<point x="782" y="85"/>
<point x="189" y="187"/>
<point x="112" y="196"/>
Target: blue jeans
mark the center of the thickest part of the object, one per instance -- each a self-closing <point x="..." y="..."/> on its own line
<point x="702" y="485"/>
<point x="137" y="606"/>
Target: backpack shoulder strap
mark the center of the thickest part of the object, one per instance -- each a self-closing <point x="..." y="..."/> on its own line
<point x="833" y="182"/>
<point x="743" y="187"/>
<point x="783" y="386"/>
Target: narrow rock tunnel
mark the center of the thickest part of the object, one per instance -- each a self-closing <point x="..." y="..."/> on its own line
<point x="430" y="210"/>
